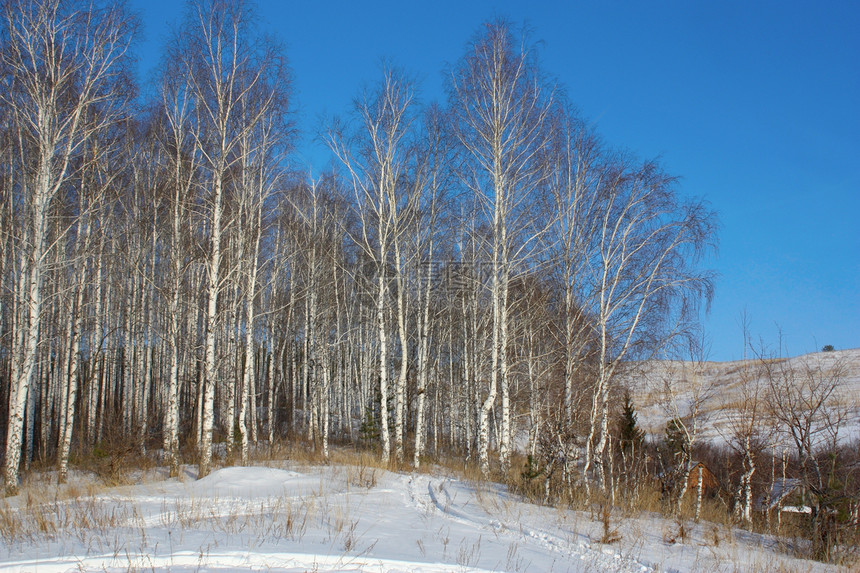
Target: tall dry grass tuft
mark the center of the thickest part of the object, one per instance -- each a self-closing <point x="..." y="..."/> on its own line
<point x="610" y="533"/>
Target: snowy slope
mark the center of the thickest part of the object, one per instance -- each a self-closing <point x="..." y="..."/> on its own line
<point x="345" y="519"/>
<point x="722" y="382"/>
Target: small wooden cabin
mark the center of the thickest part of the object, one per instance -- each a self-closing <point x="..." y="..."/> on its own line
<point x="710" y="484"/>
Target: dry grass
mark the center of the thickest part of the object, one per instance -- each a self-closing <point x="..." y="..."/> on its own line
<point x="36" y="514"/>
<point x="610" y="533"/>
<point x="85" y="512"/>
<point x="114" y="461"/>
<point x="99" y="518"/>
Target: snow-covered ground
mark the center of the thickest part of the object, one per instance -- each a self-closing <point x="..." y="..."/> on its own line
<point x="293" y="518"/>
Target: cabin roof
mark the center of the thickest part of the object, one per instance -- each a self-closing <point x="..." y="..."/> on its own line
<point x="780" y="489"/>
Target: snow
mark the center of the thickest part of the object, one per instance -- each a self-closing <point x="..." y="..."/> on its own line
<point x="722" y="381"/>
<point x="286" y="517"/>
<point x="781" y="489"/>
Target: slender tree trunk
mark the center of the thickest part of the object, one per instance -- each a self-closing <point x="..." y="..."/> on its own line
<point x="73" y="376"/>
<point x="506" y="441"/>
<point x="324" y="401"/>
<point x="423" y="363"/>
<point x="248" y="390"/>
<point x="400" y="387"/>
<point x="746" y="480"/>
<point x="381" y="294"/>
<point x="270" y="390"/>
<point x="490" y="399"/>
<point x="171" y="413"/>
<point x="685" y="480"/>
<point x="213" y="288"/>
<point x="33" y="305"/>
<point x="700" y="485"/>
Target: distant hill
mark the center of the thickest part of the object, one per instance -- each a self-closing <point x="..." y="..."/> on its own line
<point x="719" y="384"/>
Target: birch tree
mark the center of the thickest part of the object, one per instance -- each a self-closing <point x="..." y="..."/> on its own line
<point x="227" y="63"/>
<point x="576" y="161"/>
<point x="62" y="62"/>
<point x="502" y="105"/>
<point x="644" y="288"/>
<point x="805" y="401"/>
<point x="374" y="156"/>
<point x="98" y="173"/>
<point x="684" y="393"/>
<point x="432" y="179"/>
<point x="173" y="131"/>
<point x="746" y="427"/>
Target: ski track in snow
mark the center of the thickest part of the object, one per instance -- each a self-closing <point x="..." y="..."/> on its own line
<point x="519" y="531"/>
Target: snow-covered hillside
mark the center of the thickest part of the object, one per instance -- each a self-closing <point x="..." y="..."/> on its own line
<point x="292" y="518"/>
<point x="720" y="383"/>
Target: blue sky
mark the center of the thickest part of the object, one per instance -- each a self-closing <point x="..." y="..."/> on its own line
<point x="755" y="105"/>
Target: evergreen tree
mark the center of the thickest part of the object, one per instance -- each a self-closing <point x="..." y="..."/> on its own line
<point x="629" y="433"/>
<point x="676" y="438"/>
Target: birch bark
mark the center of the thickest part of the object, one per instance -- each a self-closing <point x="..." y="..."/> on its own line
<point x="60" y="66"/>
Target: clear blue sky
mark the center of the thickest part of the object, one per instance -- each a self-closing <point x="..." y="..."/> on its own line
<point x="756" y="105"/>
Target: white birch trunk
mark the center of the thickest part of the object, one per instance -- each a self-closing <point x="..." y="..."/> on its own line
<point x="400" y="387"/>
<point x="60" y="372"/>
<point x="700" y="486"/>
<point x="33" y="305"/>
<point x="19" y="330"/>
<point x="311" y="392"/>
<point x="270" y="391"/>
<point x="72" y="384"/>
<point x="385" y="436"/>
<point x="211" y="367"/>
<point x="171" y="412"/>
<point x="96" y="351"/>
<point x="324" y="402"/>
<point x="490" y="399"/>
<point x="746" y="479"/>
<point x="248" y="390"/>
<point x="506" y="442"/>
<point x="686" y="469"/>
<point x="423" y="360"/>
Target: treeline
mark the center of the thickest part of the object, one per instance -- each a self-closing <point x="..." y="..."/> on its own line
<point x="471" y="275"/>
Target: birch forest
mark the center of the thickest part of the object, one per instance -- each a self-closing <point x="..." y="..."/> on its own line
<point x="468" y="278"/>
